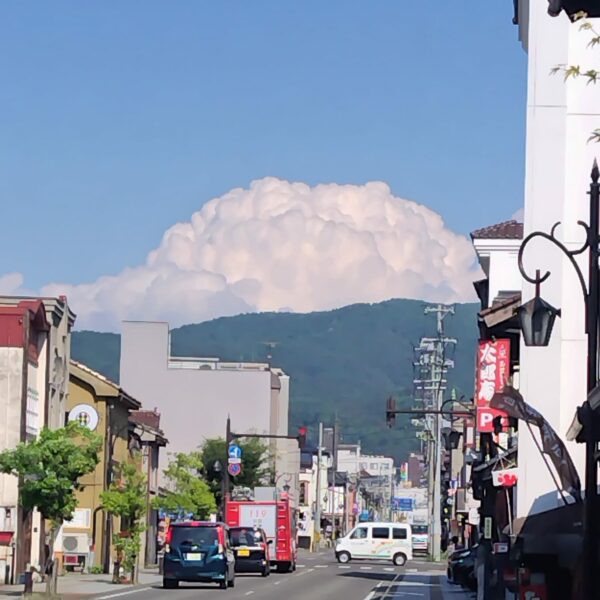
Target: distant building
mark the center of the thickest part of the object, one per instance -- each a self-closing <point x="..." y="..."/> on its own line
<point x="195" y="395"/>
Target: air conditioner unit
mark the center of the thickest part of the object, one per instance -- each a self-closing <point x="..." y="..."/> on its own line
<point x="76" y="543"/>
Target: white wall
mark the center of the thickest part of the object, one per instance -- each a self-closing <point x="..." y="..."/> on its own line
<point x="560" y="118"/>
<point x="194" y="404"/>
<point x="500" y="265"/>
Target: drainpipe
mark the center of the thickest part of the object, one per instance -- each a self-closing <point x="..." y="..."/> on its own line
<point x="108" y="455"/>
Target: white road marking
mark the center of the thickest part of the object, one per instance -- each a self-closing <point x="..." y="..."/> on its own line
<point x="124" y="593"/>
<point x="371" y="594"/>
<point x="366" y="568"/>
<point x="344" y="567"/>
<point x="277" y="582"/>
<point x="321" y="566"/>
<point x="249" y="593"/>
<point x="300" y="566"/>
<point x="388" y="569"/>
<point x="310" y="571"/>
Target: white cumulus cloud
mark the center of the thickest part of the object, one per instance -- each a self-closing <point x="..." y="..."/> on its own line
<point x="284" y="246"/>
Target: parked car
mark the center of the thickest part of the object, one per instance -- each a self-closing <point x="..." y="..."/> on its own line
<point x="251" y="548"/>
<point x="376" y="541"/>
<point x="461" y="567"/>
<point x="198" y="551"/>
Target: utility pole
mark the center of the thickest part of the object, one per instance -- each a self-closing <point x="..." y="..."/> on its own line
<point x="317" y="519"/>
<point x="430" y="383"/>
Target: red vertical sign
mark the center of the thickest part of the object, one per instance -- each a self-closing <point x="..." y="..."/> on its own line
<point x="493" y="369"/>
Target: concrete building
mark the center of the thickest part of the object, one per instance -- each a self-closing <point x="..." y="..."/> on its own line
<point x="34" y="355"/>
<point x="560" y="118"/>
<point x="195" y="395"/>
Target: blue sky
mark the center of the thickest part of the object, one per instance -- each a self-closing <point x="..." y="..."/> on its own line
<point x="119" y="119"/>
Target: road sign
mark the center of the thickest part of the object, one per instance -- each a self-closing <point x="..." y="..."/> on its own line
<point x="234" y="452"/>
<point x="234" y="461"/>
<point x="234" y="469"/>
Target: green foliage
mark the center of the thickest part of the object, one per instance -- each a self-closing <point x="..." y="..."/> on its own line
<point x="344" y="361"/>
<point x="51" y="466"/>
<point x="576" y="71"/>
<point x="188" y="494"/>
<point x="256" y="463"/>
<point x="127" y="498"/>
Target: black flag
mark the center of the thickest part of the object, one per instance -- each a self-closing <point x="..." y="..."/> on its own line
<point x="513" y="404"/>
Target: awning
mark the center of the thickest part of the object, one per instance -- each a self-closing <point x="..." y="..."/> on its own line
<point x="501" y="311"/>
<point x="504" y="460"/>
<point x="557" y="532"/>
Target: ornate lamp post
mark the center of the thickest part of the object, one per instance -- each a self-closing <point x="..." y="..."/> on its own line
<point x="537" y="319"/>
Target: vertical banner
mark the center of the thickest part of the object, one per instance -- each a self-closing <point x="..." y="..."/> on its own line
<point x="493" y="369"/>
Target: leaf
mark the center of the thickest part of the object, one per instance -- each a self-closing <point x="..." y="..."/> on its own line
<point x="595" y="136"/>
<point x="572" y="71"/>
<point x="594" y="41"/>
<point x="592" y="76"/>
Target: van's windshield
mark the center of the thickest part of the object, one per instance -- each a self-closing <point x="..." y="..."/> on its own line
<point x="194" y="536"/>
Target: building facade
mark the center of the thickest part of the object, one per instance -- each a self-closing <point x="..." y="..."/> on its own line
<point x="105" y="408"/>
<point x="196" y="395"/>
<point x="34" y="355"/>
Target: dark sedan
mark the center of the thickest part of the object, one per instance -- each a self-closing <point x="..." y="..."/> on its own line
<point x="251" y="549"/>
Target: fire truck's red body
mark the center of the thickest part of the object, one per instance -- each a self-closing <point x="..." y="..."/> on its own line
<point x="276" y="518"/>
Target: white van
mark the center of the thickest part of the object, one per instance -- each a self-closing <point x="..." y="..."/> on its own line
<point x="376" y="541"/>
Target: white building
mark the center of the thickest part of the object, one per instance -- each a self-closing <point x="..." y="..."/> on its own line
<point x="34" y="360"/>
<point x="560" y="118"/>
<point x="196" y="395"/>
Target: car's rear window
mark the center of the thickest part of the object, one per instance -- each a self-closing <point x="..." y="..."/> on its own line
<point x="419" y="529"/>
<point x="194" y="536"/>
<point x="245" y="537"/>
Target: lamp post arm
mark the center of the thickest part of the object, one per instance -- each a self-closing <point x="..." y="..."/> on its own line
<point x="570" y="254"/>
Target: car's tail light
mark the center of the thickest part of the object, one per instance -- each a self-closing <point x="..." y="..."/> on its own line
<point x="168" y="539"/>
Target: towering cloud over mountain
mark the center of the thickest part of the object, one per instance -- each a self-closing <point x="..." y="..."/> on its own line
<point x="282" y="246"/>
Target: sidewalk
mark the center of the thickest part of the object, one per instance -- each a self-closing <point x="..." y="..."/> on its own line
<point x="76" y="586"/>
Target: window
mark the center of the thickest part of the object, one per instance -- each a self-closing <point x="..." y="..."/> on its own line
<point x="303" y="493"/>
<point x="399" y="533"/>
<point x="360" y="533"/>
<point x="381" y="533"/>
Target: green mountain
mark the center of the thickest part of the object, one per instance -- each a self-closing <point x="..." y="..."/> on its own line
<point x="343" y="363"/>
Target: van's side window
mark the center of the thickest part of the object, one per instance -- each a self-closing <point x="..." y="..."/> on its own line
<point x="399" y="534"/>
<point x="381" y="533"/>
<point x="359" y="534"/>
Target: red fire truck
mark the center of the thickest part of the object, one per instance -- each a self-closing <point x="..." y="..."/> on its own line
<point x="277" y="519"/>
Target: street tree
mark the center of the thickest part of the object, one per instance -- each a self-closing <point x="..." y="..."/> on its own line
<point x="126" y="498"/>
<point x="188" y="495"/>
<point x="49" y="468"/>
<point x="257" y="464"/>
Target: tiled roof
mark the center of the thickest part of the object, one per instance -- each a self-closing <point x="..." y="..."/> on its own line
<point x="508" y="230"/>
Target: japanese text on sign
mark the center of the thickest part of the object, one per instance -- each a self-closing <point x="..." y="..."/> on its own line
<point x="493" y="368"/>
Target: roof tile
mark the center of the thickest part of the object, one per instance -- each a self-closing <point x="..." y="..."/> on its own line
<point x="507" y="230"/>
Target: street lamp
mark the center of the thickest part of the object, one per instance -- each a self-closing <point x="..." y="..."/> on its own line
<point x="537" y="318"/>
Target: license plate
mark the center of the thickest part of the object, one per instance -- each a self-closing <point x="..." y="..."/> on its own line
<point x="193" y="556"/>
<point x="243" y="552"/>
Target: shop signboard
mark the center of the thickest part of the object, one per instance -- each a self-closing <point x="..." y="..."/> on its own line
<point x="493" y="369"/>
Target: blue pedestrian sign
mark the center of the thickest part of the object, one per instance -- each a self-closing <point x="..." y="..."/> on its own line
<point x="235" y="451"/>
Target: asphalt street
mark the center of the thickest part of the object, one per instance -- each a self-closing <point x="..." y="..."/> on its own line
<point x="318" y="576"/>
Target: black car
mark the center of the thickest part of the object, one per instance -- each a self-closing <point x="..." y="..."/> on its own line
<point x="461" y="567"/>
<point x="251" y="549"/>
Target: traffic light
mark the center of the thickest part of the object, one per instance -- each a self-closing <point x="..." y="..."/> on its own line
<point x="390" y="412"/>
<point x="302" y="437"/>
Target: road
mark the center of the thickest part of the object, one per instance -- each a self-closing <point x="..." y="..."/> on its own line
<point x="320" y="577"/>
